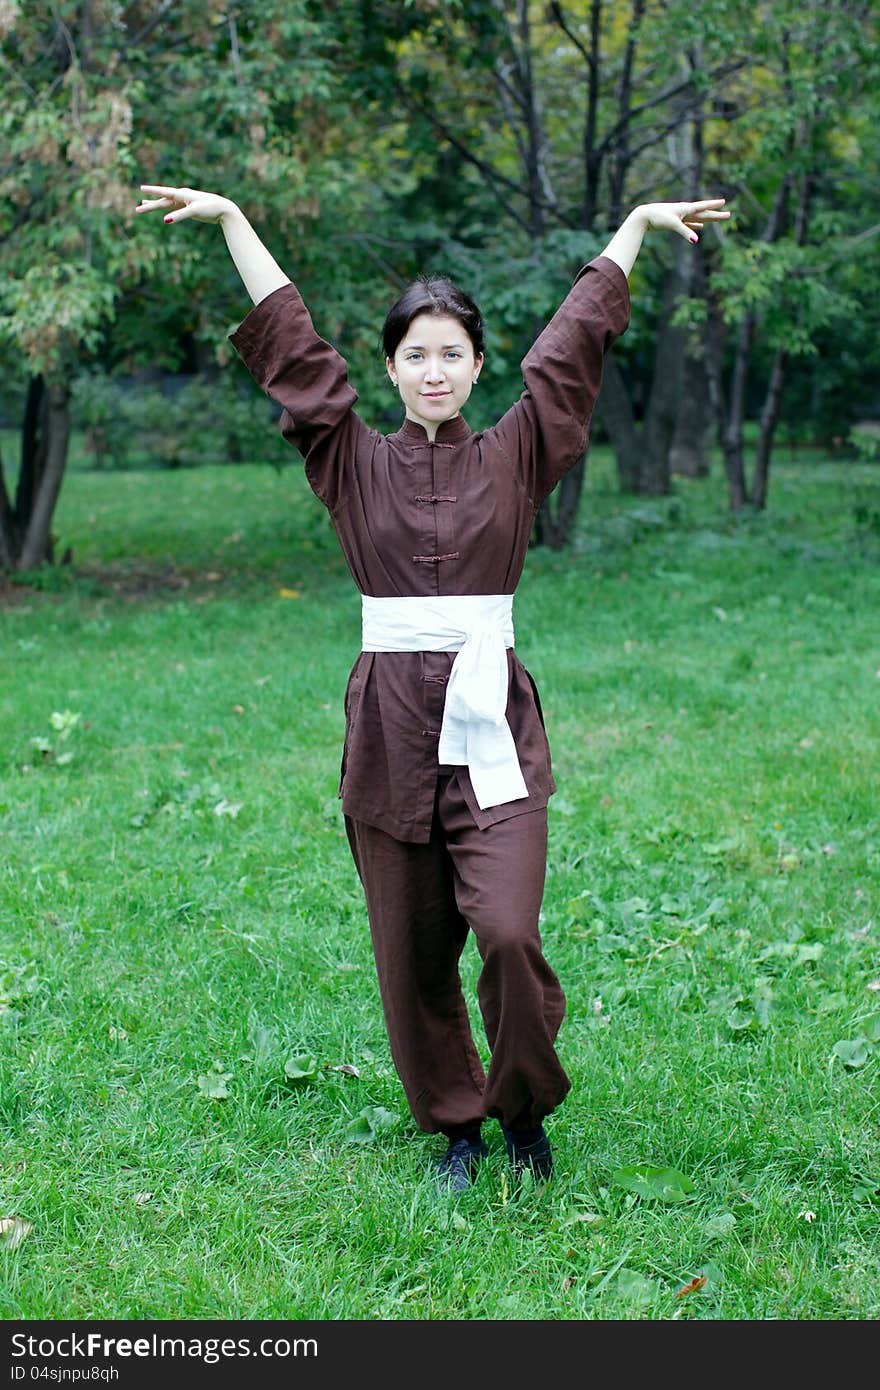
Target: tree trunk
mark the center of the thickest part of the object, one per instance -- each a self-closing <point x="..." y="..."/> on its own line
<point x="33" y="450"/>
<point x="37" y="547"/>
<point x="621" y="157"/>
<point x="666" y="385"/>
<point x="689" y="454"/>
<point x="769" y="419"/>
<point x="689" y="449"/>
<point x="7" y="531"/>
<point x="732" y="431"/>
<point x="616" y="413"/>
<point x="558" y="512"/>
<point x="773" y="400"/>
<point x="25" y="528"/>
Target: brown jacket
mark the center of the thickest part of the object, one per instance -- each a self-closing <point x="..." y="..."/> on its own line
<point x="420" y="518"/>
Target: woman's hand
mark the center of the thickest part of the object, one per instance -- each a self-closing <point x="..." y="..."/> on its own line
<point x="685" y="218"/>
<point x="258" y="269"/>
<point x="178" y="203"/>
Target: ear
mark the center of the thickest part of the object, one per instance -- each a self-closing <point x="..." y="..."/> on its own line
<point x="391" y="369"/>
<point x="478" y="364"/>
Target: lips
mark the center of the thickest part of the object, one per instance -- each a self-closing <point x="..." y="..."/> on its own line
<point x="436" y="395"/>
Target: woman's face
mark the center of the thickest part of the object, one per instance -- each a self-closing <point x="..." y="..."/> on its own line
<point x="434" y="369"/>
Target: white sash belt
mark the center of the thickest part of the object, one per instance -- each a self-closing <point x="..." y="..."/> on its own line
<point x="474" y="731"/>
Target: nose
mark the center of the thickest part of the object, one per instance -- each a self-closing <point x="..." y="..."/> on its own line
<point x="434" y="371"/>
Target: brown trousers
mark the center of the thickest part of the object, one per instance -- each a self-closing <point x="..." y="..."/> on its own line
<point x="421" y="900"/>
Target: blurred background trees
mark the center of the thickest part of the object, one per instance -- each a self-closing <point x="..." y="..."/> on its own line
<point x="499" y="141"/>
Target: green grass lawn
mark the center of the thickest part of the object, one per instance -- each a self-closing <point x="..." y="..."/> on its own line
<point x="190" y="1028"/>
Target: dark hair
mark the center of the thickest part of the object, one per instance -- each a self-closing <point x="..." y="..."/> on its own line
<point x="436" y="295"/>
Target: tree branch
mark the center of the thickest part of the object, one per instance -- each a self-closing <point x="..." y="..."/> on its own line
<point x="156" y="19"/>
<point x="363" y="239"/>
<point x="490" y="172"/>
<point x="503" y="90"/>
<point x="660" y="98"/>
<point x="556" y="12"/>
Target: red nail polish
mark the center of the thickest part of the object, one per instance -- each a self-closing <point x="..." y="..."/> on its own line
<point x="693" y="238"/>
<point x="168" y="219"/>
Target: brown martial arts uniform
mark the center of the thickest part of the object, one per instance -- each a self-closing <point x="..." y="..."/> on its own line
<point x="448" y="517"/>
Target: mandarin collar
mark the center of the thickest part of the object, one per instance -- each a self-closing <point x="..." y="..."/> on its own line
<point x="448" y="431"/>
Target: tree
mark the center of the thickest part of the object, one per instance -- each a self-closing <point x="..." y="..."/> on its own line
<point x="506" y="112"/>
<point x="775" y="283"/>
<point x="97" y="100"/>
<point x="66" y="131"/>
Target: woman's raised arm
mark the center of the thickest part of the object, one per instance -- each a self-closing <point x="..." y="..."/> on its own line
<point x="258" y="269"/>
<point x="278" y="344"/>
<point x="547" y="430"/>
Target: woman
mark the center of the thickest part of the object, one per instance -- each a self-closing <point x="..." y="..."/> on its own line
<point x="446" y="768"/>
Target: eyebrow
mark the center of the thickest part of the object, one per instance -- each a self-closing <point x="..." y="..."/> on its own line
<point x="419" y="347"/>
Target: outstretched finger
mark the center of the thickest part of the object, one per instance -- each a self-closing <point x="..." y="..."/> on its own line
<point x="156" y="204"/>
<point x="162" y="189"/>
<point x="680" y="226"/>
<point x="178" y="214"/>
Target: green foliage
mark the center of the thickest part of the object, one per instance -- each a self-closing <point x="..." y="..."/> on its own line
<point x="53" y="749"/>
<point x="865" y="441"/>
<point x="126" y="426"/>
<point x="299" y="1070"/>
<point x="664" y="1184"/>
<point x="370" y="1124"/>
<point x="214" y="1084"/>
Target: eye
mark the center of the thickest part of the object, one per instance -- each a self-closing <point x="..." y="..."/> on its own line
<point x="454" y="354"/>
<point x="413" y="356"/>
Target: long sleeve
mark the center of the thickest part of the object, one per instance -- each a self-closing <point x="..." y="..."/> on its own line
<point x="547" y="430"/>
<point x="307" y="377"/>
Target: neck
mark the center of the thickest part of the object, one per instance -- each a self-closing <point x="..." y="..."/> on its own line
<point x="429" y="426"/>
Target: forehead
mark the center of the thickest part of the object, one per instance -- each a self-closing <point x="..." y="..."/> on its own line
<point x="435" y="331"/>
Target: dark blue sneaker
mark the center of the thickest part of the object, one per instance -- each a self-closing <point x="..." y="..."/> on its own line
<point x="529" y="1149"/>
<point x="457" y="1168"/>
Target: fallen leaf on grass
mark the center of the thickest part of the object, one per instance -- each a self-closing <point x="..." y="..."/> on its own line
<point x="288" y="593"/>
<point x="697" y="1283"/>
<point x="13" y="1230"/>
<point x="720" y="1225"/>
<point x="300" y="1069"/>
<point x="346" y="1068"/>
<point x="584" y="1218"/>
<point x="141" y="1198"/>
<point x="214" y="1084"/>
<point x="366" y="1127"/>
<point x="634" y="1287"/>
<point x="853" y="1052"/>
<point x="667" y="1184"/>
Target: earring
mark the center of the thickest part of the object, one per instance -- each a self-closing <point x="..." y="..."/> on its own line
<point x="476" y="379"/>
